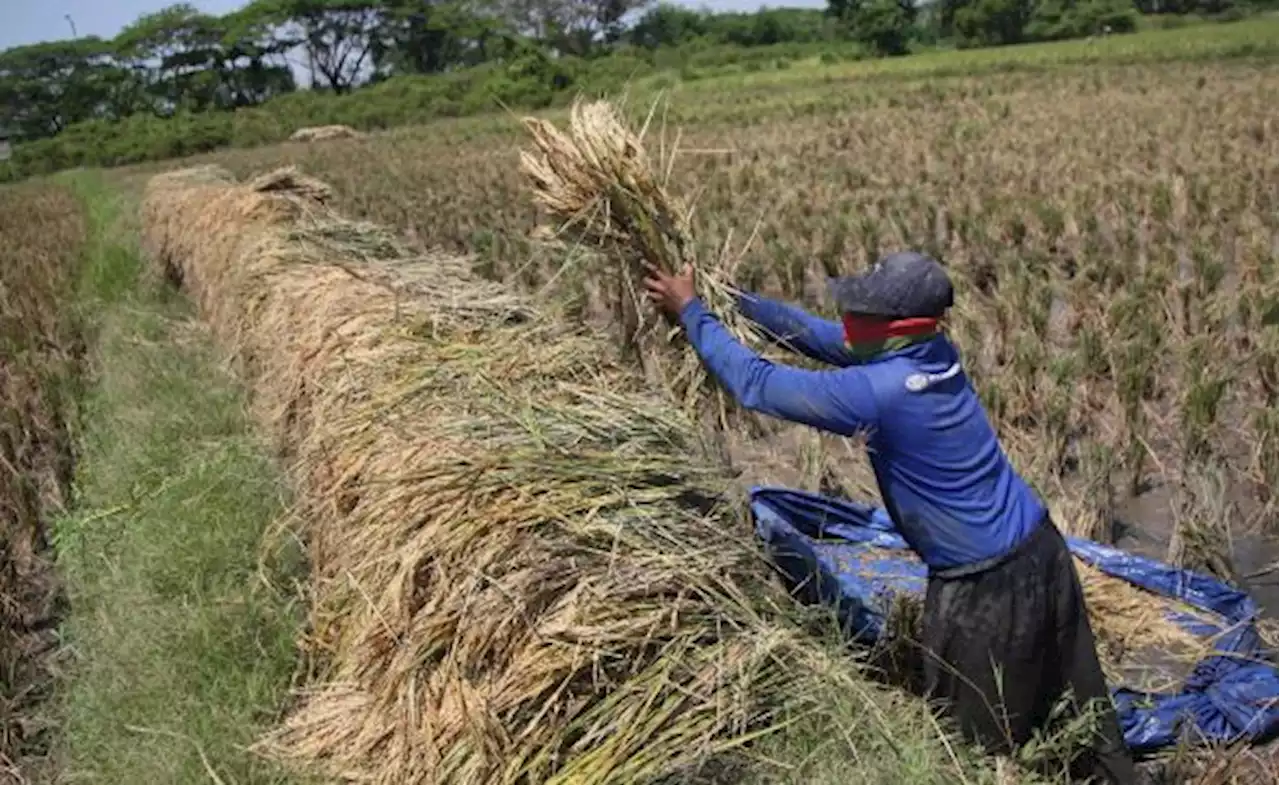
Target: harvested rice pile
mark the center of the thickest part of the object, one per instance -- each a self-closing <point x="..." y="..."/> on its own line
<point x="523" y="569"/>
<point x="320" y="133"/>
<point x="597" y="184"/>
<point x="1131" y="624"/>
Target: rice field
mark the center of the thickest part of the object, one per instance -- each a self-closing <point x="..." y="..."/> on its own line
<point x="1111" y="229"/>
<point x="1108" y="211"/>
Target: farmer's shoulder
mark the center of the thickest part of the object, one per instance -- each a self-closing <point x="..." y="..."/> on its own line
<point x="915" y="378"/>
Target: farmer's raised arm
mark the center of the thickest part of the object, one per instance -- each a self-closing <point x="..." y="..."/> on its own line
<point x="797" y="329"/>
<point x="839" y="401"/>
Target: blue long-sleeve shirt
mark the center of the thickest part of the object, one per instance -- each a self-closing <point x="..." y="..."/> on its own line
<point x="943" y="476"/>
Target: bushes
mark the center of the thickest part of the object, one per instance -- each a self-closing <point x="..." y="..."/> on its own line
<point x="1000" y="22"/>
<point x="137" y="138"/>
<point x="1055" y="20"/>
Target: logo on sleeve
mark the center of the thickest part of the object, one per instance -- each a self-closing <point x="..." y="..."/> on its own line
<point x="919" y="382"/>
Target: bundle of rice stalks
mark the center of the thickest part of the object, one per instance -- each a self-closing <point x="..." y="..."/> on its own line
<point x="524" y="569"/>
<point x="597" y="182"/>
<point x="289" y="180"/>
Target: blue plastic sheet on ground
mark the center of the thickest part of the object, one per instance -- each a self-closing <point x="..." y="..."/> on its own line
<point x="842" y="554"/>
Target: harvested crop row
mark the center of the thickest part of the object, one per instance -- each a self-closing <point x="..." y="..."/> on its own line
<point x="524" y="568"/>
<point x="42" y="230"/>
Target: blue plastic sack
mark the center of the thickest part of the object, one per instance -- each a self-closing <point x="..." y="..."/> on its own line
<point x="841" y="554"/>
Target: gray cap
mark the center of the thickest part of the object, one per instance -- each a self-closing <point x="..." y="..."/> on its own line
<point x="901" y="285"/>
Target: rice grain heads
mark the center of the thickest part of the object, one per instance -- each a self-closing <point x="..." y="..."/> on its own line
<point x="524" y="569"/>
<point x="596" y="181"/>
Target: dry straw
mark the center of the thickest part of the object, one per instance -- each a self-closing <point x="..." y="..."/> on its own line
<point x="597" y="183"/>
<point x="321" y="133"/>
<point x="524" y="569"/>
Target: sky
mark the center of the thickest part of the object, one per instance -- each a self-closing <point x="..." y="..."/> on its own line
<point x="31" y="21"/>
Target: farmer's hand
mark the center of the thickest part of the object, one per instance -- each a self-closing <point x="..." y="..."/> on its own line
<point x="671" y="293"/>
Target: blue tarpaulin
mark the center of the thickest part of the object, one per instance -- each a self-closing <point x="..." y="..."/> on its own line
<point x="848" y="555"/>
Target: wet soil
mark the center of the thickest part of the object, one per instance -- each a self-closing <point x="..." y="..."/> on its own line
<point x="1144" y="526"/>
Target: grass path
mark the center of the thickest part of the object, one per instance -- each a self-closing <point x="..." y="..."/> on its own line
<point x="181" y="633"/>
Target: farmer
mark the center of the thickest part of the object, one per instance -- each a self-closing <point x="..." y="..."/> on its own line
<point x="1006" y="632"/>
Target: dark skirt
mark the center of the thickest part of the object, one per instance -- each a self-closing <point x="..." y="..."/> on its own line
<point x="1004" y="646"/>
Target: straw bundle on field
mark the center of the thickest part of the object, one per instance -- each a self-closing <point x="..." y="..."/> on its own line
<point x="523" y="568"/>
<point x="598" y="183"/>
<point x="321" y="133"/>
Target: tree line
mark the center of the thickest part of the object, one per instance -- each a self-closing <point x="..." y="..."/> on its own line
<point x="181" y="61"/>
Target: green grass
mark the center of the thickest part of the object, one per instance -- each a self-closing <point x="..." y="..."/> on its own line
<point x="182" y="634"/>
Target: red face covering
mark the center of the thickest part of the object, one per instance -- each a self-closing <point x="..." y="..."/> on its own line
<point x="863" y="330"/>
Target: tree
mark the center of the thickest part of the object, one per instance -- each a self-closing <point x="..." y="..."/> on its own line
<point x="993" y="22"/>
<point x="255" y="63"/>
<point x="172" y="51"/>
<point x="667" y="25"/>
<point x="883" y="26"/>
<point x="944" y="13"/>
<point x="575" y="27"/>
<point x="423" y="37"/>
<point x="196" y="61"/>
<point x="46" y="87"/>
<point x="338" y="36"/>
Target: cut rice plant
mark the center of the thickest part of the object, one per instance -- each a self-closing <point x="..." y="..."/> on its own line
<point x="598" y="183"/>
